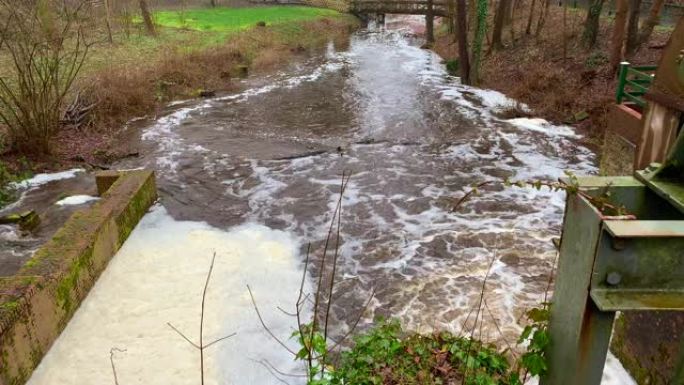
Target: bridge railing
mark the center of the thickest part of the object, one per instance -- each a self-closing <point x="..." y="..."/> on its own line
<point x="634" y="82"/>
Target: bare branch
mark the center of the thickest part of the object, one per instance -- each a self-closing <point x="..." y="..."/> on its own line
<point x="219" y="340"/>
<point x="286" y="312"/>
<point x="272" y="370"/>
<point x="263" y="324"/>
<point x="477" y="315"/>
<point x="204" y="297"/>
<point x="355" y="324"/>
<point x="271" y="366"/>
<point x="111" y="360"/>
<point x="496" y="323"/>
<point x="183" y="335"/>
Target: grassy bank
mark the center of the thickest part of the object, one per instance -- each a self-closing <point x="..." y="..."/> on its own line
<point x="235" y="19"/>
<point x="138" y="74"/>
<point x="558" y="78"/>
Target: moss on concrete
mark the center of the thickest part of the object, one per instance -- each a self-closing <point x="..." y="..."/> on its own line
<point x="36" y="305"/>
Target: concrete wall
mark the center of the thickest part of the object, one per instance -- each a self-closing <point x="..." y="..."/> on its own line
<point x="39" y="301"/>
<point x="647" y="343"/>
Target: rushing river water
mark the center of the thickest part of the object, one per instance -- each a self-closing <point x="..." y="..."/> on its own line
<point x="254" y="176"/>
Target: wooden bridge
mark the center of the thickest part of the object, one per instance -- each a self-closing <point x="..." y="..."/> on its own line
<point x="405" y="7"/>
<point x="429" y="8"/>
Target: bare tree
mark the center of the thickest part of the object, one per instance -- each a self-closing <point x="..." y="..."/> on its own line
<point x="542" y="17"/>
<point x="619" y="29"/>
<point x="528" y="29"/>
<point x="147" y="18"/>
<point x="633" y="27"/>
<point x="480" y="33"/>
<point x="651" y="21"/>
<point x="108" y="21"/>
<point x="503" y="9"/>
<point x="46" y="47"/>
<point x="462" y="35"/>
<point x="591" y="24"/>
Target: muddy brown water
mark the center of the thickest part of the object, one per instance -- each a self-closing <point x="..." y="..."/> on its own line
<point x="414" y="139"/>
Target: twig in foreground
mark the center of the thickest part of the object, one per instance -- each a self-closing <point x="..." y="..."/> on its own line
<point x="201" y="346"/>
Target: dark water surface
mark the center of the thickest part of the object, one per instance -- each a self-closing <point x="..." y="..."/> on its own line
<point x="414" y="140"/>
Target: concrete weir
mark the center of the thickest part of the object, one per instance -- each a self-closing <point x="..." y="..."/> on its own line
<point x="38" y="302"/>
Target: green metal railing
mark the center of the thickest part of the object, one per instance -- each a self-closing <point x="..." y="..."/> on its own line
<point x="634" y="82"/>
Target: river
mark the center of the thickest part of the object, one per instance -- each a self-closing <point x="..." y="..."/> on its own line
<point x="254" y="177"/>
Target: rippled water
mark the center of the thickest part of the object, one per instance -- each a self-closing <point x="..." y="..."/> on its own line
<point x="414" y="139"/>
<point x="271" y="157"/>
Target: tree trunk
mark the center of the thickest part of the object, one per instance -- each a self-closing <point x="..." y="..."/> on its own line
<point x="618" y="38"/>
<point x="429" y="24"/>
<point x="651" y="22"/>
<point x="542" y="17"/>
<point x="592" y="23"/>
<point x="213" y="3"/>
<point x="472" y="19"/>
<point x="511" y="19"/>
<point x="462" y="30"/>
<point x="633" y="28"/>
<point x="502" y="10"/>
<point x="108" y="21"/>
<point x="480" y="32"/>
<point x="147" y="18"/>
<point x="528" y="29"/>
<point x="565" y="30"/>
<point x="451" y="10"/>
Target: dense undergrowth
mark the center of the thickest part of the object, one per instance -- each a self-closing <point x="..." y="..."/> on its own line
<point x="554" y="73"/>
<point x="387" y="354"/>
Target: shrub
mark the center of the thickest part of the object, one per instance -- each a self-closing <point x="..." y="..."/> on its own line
<point x="45" y="45"/>
<point x="388" y="355"/>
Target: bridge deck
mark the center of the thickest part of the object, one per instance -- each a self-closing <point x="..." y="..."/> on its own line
<point x="409" y="7"/>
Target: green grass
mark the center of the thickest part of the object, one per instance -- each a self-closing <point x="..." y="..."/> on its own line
<point x="193" y="29"/>
<point x="235" y="19"/>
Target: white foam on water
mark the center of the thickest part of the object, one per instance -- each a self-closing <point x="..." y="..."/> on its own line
<point x="171" y="145"/>
<point x="543" y="126"/>
<point x="158" y="277"/>
<point x="75" y="200"/>
<point x="613" y="373"/>
<point x="41" y="179"/>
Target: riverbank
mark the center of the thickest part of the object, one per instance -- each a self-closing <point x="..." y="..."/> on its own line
<point x="557" y="77"/>
<point x="138" y="75"/>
